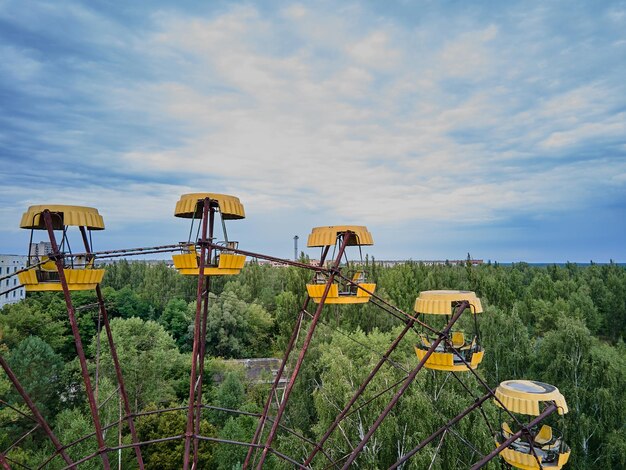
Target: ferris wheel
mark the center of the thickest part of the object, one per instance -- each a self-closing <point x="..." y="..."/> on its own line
<point x="440" y="345"/>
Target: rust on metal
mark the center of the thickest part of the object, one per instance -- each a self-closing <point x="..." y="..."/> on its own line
<point x="305" y="346"/>
<point x="196" y="336"/>
<point x="477" y="404"/>
<point x="35" y="411"/>
<point x="358" y="393"/>
<point x="116" y="362"/>
<point x="292" y="339"/>
<point x="355" y="453"/>
<point x="102" y="448"/>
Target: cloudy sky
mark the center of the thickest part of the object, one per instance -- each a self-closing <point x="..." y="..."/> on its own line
<point x="495" y="128"/>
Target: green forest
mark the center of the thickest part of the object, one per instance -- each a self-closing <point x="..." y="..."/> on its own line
<point x="563" y="325"/>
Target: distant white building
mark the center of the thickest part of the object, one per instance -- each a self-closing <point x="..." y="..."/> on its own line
<point x="37" y="250"/>
<point x="10" y="264"/>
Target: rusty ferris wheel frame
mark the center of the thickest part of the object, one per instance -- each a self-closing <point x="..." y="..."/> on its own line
<point x="257" y="451"/>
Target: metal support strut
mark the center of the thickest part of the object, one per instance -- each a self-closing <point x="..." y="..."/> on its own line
<point x="547" y="412"/>
<point x="58" y="259"/>
<point x="444" y="334"/>
<point x="36" y="413"/>
<point x="194" y="376"/>
<point x="279" y="374"/>
<point x="116" y="361"/>
<point x="305" y="346"/>
<point x="358" y="393"/>
<point x="3" y="461"/>
<point x="445" y="427"/>
<point x="205" y="312"/>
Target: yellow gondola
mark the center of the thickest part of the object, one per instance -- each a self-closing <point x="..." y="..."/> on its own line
<point x="223" y="262"/>
<point x="79" y="271"/>
<point x="545" y="448"/>
<point x="443" y="302"/>
<point x="341" y="292"/>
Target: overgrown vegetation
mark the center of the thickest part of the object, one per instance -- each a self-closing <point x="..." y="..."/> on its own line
<point x="564" y="325"/>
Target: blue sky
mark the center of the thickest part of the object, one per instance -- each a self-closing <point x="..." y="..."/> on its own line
<point x="495" y="128"/>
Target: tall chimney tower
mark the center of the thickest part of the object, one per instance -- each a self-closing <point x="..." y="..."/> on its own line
<point x="295" y="248"/>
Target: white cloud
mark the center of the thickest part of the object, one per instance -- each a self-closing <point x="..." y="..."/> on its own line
<point x="17" y="64"/>
<point x="375" y="51"/>
<point x="295" y="12"/>
<point x="467" y="55"/>
<point x="613" y="127"/>
<point x="298" y="124"/>
<point x="136" y="204"/>
<point x="617" y="15"/>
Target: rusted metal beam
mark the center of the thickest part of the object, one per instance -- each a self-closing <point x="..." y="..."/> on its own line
<point x="169" y="248"/>
<point x="477" y="403"/>
<point x="485" y="460"/>
<point x="120" y="378"/>
<point x="375" y="397"/>
<point x="205" y="310"/>
<point x="19" y="286"/>
<point x="30" y="266"/>
<point x="258" y="415"/>
<point x="286" y="262"/>
<point x="103" y="254"/>
<point x="305" y="346"/>
<point x="116" y="362"/>
<point x="358" y="393"/>
<point x="263" y="416"/>
<point x="24" y="436"/>
<point x="140" y="253"/>
<point x="482" y="412"/>
<point x="198" y="399"/>
<point x="182" y="436"/>
<point x="35" y="411"/>
<point x="444" y="334"/>
<point x="481" y="381"/>
<point x="17" y="410"/>
<point x="279" y="374"/>
<point x="196" y="335"/>
<point x="202" y="438"/>
<point x="58" y="259"/>
<point x="388" y="305"/>
<point x="4" y="462"/>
